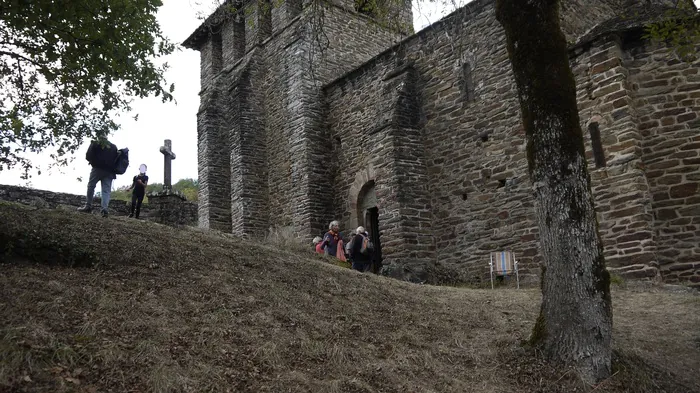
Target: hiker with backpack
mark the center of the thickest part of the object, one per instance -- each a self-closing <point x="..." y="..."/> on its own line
<point x="106" y="161"/>
<point x="318" y="244"/>
<point x="139" y="186"/>
<point x="361" y="250"/>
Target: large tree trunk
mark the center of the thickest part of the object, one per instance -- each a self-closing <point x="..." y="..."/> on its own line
<point x="575" y="323"/>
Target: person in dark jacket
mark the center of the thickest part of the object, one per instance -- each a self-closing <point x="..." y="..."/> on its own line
<point x="139" y="187"/>
<point x="360" y="262"/>
<point x="101" y="155"/>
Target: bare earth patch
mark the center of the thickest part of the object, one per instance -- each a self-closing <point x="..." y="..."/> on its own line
<point x="94" y="305"/>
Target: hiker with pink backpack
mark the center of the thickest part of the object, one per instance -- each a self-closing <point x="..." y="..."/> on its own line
<point x="332" y="243"/>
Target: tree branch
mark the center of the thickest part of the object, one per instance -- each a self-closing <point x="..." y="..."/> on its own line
<point x="20" y="57"/>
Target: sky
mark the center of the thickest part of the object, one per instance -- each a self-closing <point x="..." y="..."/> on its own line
<point x="158" y="121"/>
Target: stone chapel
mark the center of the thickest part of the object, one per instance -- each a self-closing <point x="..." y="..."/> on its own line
<point x="313" y="111"/>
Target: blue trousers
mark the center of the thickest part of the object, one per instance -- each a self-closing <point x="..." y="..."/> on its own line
<point x="105" y="178"/>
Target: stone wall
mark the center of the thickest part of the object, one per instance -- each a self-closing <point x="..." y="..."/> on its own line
<point x="171" y="209"/>
<point x="473" y="149"/>
<point x="59" y="200"/>
<point x="168" y="209"/>
<point x="263" y="148"/>
<point x="380" y="143"/>
<point x="470" y="145"/>
<point x="213" y="158"/>
<point x="666" y="94"/>
<point x="432" y="125"/>
<point x="620" y="187"/>
<point x="645" y="103"/>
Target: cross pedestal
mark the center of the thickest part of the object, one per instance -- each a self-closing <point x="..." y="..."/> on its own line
<point x="168" y="157"/>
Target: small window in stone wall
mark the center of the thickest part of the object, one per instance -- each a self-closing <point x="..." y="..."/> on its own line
<point x="596" y="145"/>
<point x="467" y="82"/>
<point x="217" y="52"/>
<point x="239" y="34"/>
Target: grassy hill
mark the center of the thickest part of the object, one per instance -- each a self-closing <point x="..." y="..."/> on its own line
<point x="115" y="305"/>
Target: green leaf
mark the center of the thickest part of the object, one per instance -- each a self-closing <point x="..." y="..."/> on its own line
<point x="68" y="71"/>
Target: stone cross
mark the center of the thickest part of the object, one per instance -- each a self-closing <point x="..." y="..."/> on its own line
<point x="168" y="156"/>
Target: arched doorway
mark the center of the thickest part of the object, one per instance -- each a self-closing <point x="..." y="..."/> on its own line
<point x="368" y="217"/>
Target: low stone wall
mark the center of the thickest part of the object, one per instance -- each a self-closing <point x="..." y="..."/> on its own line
<point x="170" y="209"/>
<point x="58" y="200"/>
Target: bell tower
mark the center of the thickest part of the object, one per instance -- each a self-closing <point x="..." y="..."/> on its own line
<point x="263" y="145"/>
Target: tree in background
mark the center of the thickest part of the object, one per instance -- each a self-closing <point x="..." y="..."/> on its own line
<point x="188" y="188"/>
<point x="680" y="28"/>
<point x="574" y="327"/>
<point x="66" y="71"/>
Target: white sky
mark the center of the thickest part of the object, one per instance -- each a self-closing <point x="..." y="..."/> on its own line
<point x="178" y="122"/>
<point x="157" y="121"/>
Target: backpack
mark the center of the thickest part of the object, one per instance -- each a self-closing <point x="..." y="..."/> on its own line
<point x="348" y="246"/>
<point x="367" y="245"/>
<point x="122" y="161"/>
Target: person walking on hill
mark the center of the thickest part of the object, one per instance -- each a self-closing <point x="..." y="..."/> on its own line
<point x="139" y="186"/>
<point x="101" y="155"/>
<point x="333" y="241"/>
<point x="361" y="250"/>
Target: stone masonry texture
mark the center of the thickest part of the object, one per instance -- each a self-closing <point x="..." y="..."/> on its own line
<point x="264" y="151"/>
<point x="294" y="126"/>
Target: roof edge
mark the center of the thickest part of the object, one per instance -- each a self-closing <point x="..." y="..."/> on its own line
<point x="216" y="19"/>
<point x="475" y="6"/>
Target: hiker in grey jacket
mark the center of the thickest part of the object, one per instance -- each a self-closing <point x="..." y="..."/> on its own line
<point x="101" y="156"/>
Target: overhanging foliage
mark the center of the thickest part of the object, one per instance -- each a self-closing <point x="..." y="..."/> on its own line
<point x="67" y="70"/>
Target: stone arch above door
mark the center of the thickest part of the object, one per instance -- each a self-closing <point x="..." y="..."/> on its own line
<point x="365" y="177"/>
<point x="366" y="200"/>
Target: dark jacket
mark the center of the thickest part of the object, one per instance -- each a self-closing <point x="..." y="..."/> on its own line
<point x="139" y="189"/>
<point x="102" y="157"/>
<point x="355" y="253"/>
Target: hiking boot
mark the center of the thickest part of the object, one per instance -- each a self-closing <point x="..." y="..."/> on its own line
<point x="131" y="215"/>
<point x="85" y="209"/>
<point x="104" y="214"/>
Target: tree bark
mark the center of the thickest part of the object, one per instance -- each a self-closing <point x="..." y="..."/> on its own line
<point x="575" y="322"/>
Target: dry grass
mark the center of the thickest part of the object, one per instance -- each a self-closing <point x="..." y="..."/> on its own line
<point x="286" y="237"/>
<point x="166" y="310"/>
